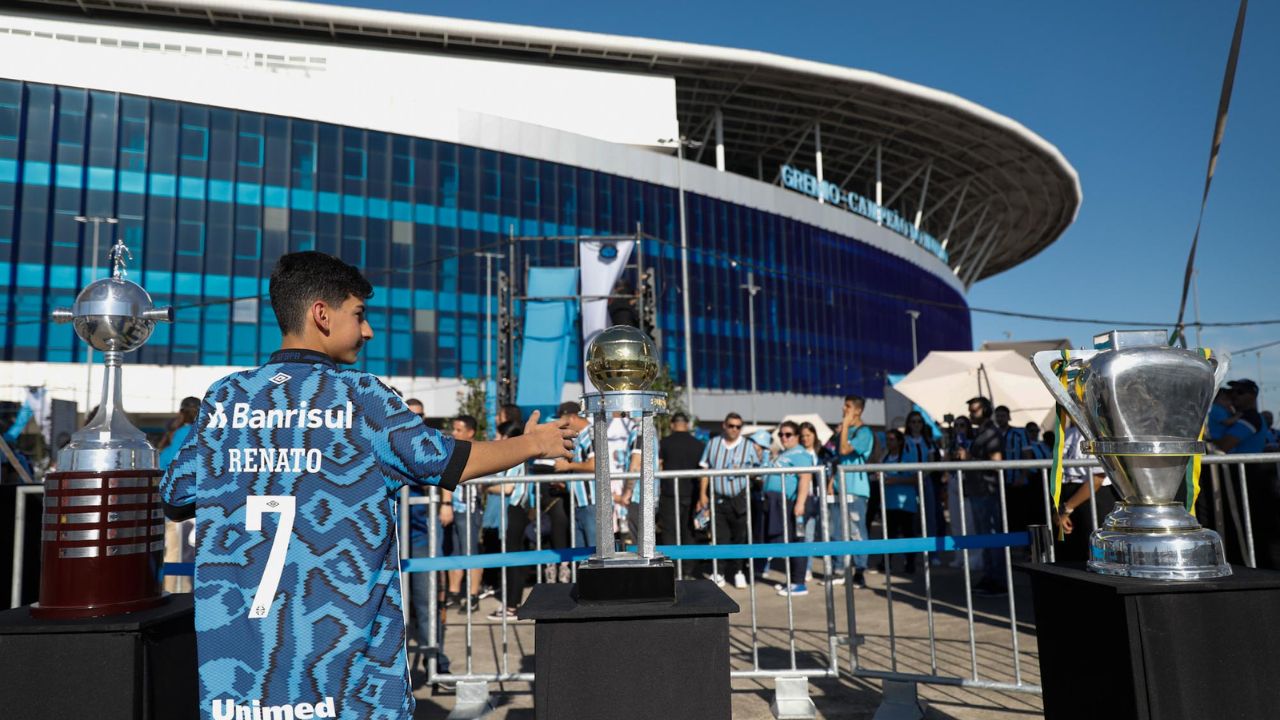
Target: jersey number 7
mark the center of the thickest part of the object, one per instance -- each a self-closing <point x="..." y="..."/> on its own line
<point x="255" y="506"/>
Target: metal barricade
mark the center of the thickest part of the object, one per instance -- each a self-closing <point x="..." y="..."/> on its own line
<point x="907" y="659"/>
<point x="681" y="553"/>
<point x="904" y="663"/>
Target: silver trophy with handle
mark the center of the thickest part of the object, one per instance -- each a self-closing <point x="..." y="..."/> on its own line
<point x="1141" y="406"/>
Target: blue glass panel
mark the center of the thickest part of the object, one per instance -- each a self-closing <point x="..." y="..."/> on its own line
<point x="302" y="200"/>
<point x="35" y="173"/>
<point x="221" y="190"/>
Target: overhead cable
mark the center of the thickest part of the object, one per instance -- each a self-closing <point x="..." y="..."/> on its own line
<point x="1219" y="129"/>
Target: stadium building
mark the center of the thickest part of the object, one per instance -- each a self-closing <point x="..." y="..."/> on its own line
<point x="221" y="133"/>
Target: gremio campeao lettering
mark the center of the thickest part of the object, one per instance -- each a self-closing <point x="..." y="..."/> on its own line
<point x="805" y="182"/>
<point x="229" y="710"/>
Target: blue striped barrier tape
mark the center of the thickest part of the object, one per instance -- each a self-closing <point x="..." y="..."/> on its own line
<point x="707" y="552"/>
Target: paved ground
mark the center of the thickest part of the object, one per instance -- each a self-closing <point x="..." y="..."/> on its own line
<point x="952" y="650"/>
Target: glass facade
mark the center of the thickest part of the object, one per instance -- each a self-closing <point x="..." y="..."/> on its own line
<point x="207" y="198"/>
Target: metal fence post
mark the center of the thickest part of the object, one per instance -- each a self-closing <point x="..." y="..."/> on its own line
<point x="791" y="699"/>
<point x="899" y="701"/>
<point x="472" y="701"/>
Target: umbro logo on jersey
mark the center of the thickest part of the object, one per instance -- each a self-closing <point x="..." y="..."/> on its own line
<point x="280" y="378"/>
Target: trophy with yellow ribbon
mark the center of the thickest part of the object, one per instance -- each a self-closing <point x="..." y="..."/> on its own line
<point x="1141" y="406"/>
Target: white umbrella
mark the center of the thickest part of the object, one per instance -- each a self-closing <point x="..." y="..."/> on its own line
<point x="944" y="381"/>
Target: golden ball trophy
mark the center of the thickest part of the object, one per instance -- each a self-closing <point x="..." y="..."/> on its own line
<point x="622" y="363"/>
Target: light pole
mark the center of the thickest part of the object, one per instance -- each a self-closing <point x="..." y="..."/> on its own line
<point x="490" y="396"/>
<point x="680" y="144"/>
<point x="752" y="289"/>
<point x="915" y="353"/>
<point x="97" y="221"/>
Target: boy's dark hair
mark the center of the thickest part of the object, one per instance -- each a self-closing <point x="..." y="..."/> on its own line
<point x="732" y="416"/>
<point x="567" y="409"/>
<point x="679" y="417"/>
<point x="301" y="278"/>
<point x="857" y="400"/>
<point x="791" y="424"/>
<point x="468" y="421"/>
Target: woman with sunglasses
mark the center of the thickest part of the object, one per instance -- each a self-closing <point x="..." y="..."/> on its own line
<point x="785" y="499"/>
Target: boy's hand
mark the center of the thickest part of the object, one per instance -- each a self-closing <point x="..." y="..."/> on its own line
<point x="553" y="439"/>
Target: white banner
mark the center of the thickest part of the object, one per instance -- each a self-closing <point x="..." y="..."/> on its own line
<point x="601" y="269"/>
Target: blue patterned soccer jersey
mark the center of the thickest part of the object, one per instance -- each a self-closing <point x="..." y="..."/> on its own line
<point x="293" y="472"/>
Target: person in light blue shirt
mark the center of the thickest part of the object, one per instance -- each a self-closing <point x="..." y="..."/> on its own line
<point x="785" y="498"/>
<point x="901" y="495"/>
<point x="849" y="514"/>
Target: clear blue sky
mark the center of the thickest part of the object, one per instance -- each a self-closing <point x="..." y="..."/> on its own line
<point x="1127" y="91"/>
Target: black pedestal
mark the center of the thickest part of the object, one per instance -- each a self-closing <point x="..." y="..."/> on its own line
<point x="625" y="661"/>
<point x="139" y="666"/>
<point x="1114" y="647"/>
<point x="612" y="584"/>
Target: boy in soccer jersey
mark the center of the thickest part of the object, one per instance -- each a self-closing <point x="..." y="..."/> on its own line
<point x="292" y="473"/>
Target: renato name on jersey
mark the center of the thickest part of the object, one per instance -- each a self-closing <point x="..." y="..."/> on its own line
<point x="229" y="710"/>
<point x="243" y="415"/>
<point x="273" y="460"/>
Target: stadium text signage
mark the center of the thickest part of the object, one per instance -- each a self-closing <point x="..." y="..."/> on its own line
<point x="805" y="182"/>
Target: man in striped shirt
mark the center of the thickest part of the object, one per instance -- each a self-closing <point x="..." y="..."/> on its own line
<point x="582" y="493"/>
<point x="729" y="451"/>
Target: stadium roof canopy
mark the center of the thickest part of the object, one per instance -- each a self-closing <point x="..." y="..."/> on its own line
<point x="996" y="192"/>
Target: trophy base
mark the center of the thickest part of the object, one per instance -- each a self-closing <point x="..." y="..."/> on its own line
<point x="626" y="580"/>
<point x="1178" y="555"/>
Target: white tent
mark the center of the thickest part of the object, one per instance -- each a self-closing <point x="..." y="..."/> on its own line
<point x="944" y="381"/>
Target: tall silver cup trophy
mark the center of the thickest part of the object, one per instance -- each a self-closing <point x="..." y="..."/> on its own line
<point x="103" y="528"/>
<point x="1141" y="405"/>
<point x="622" y="363"/>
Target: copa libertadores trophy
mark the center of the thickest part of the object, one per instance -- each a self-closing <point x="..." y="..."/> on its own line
<point x="622" y="363"/>
<point x="1140" y="405"/>
<point x="103" y="538"/>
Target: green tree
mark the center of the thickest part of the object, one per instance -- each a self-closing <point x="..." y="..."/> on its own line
<point x="675" y="400"/>
<point x="471" y="401"/>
